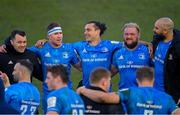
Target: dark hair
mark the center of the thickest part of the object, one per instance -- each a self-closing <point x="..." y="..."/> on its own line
<point x="98" y="74"/>
<point x="19" y="32"/>
<point x="59" y="70"/>
<point x="52" y="25"/>
<point x="145" y="73"/>
<point x="26" y="63"/>
<point x="99" y="25"/>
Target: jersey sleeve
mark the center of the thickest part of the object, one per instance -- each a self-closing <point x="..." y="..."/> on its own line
<point x="75" y="58"/>
<point x="76" y="46"/>
<point x="12" y="97"/>
<point x="114" y="62"/>
<point x="172" y="105"/>
<point x="116" y="45"/>
<point x="124" y="94"/>
<point x="53" y="104"/>
<point x="35" y="50"/>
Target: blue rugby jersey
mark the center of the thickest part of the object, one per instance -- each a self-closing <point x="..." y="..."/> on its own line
<point x="65" y="101"/>
<point x="95" y="56"/>
<point x="24" y="97"/>
<point x="147" y="100"/>
<point x="128" y="61"/>
<point x="159" y="57"/>
<point x="49" y="55"/>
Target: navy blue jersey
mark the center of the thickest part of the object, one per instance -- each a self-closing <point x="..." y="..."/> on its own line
<point x="24" y="97"/>
<point x="65" y="101"/>
<point x="147" y="100"/>
<point x="95" y="56"/>
<point x="128" y="61"/>
<point x="159" y="57"/>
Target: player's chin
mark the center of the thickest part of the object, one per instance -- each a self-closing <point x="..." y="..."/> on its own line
<point x="21" y="50"/>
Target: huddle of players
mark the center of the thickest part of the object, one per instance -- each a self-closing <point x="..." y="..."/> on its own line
<point x="94" y="52"/>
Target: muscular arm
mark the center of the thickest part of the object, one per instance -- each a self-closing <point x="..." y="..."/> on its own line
<point x="99" y="96"/>
<point x="114" y="70"/>
<point x="78" y="66"/>
<point x="149" y="45"/>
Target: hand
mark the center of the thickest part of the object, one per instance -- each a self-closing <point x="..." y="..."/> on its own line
<point x="5" y="79"/>
<point x="80" y="89"/>
<point x="3" y="49"/>
<point x="150" y="47"/>
<point x="178" y="103"/>
<point x="40" y="43"/>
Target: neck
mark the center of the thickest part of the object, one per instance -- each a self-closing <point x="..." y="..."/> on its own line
<point x="25" y="79"/>
<point x="132" y="49"/>
<point x="55" y="45"/>
<point x="61" y="86"/>
<point x="145" y="84"/>
<point x="169" y="36"/>
<point x="95" y="42"/>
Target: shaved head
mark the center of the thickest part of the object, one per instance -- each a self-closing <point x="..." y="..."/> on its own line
<point x="166" y="23"/>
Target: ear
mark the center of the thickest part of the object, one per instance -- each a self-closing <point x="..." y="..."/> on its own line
<point x="165" y="31"/>
<point x="104" y="82"/>
<point x="11" y="42"/>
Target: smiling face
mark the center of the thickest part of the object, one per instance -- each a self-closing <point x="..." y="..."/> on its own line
<point x="157" y="28"/>
<point x="90" y="32"/>
<point x="131" y="37"/>
<point x="19" y="43"/>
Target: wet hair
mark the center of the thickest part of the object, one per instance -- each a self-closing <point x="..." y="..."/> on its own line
<point x="26" y="63"/>
<point x="98" y="74"/>
<point x="52" y="25"/>
<point x="131" y="25"/>
<point x="59" y="70"/>
<point x="19" y="32"/>
<point x="145" y="73"/>
<point x="98" y="25"/>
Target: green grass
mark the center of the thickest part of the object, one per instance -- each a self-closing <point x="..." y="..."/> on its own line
<point x="34" y="15"/>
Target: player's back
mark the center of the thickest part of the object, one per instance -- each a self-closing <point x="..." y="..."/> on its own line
<point x="24" y="97"/>
<point x="147" y="100"/>
<point x="65" y="101"/>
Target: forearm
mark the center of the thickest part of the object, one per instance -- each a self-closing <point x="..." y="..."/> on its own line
<point x="78" y="66"/>
<point x="99" y="96"/>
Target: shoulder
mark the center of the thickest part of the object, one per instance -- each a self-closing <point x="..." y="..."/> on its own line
<point x="143" y="48"/>
<point x="29" y="52"/>
<point x="13" y="89"/>
<point x="79" y="44"/>
<point x="110" y="42"/>
<point x="4" y="56"/>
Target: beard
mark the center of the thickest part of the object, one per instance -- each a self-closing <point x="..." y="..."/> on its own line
<point x="132" y="45"/>
<point x="159" y="36"/>
<point x="16" y="78"/>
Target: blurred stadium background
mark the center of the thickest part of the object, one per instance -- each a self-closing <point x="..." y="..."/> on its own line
<point x="33" y="16"/>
